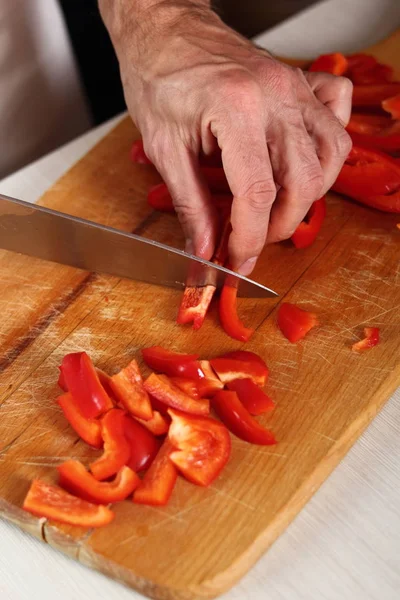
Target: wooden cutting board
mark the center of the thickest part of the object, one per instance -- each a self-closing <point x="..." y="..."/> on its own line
<point x="205" y="539"/>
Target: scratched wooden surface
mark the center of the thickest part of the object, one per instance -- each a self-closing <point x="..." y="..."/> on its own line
<point x="205" y="539"/>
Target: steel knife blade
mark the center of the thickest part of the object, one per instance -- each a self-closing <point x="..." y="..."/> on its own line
<point x="58" y="237"/>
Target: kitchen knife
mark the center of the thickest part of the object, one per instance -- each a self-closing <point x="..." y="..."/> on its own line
<point x="51" y="235"/>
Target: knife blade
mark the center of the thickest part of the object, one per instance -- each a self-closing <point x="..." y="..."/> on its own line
<point x="58" y="237"/>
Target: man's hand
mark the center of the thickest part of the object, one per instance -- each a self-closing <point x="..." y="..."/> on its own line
<point x="191" y="83"/>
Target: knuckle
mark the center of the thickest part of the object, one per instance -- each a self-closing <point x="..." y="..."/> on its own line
<point x="242" y="91"/>
<point x="260" y="195"/>
<point x="341" y="143"/>
<point x="310" y="181"/>
<point x="344" y="86"/>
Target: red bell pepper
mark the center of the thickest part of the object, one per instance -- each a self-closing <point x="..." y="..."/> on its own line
<point x="388" y="140"/>
<point x="361" y="61"/>
<point x="158" y="424"/>
<point x="229" y="369"/>
<point x="239" y="421"/>
<point x="81" y="379"/>
<point x="158" y="482"/>
<point x="253" y="398"/>
<point x="374" y="95"/>
<point x="230" y="321"/>
<point x="368" y="124"/>
<point x="306" y="233"/>
<point x="189" y="386"/>
<point x="194" y="305"/>
<point x="247" y="356"/>
<point x="376" y="74"/>
<point x="160" y="199"/>
<point x="386" y="203"/>
<point x="294" y="322"/>
<point x="138" y="154"/>
<point x="105" y="381"/>
<point x="202" y="446"/>
<point x="51" y="502"/>
<point x="334" y="63"/>
<point x="392" y="106"/>
<point x="371" y="339"/>
<point x="116" y="447"/>
<point x="172" y="364"/>
<point x="87" y="429"/>
<point x="129" y="390"/>
<point x="78" y="481"/>
<point x="210" y="383"/>
<point x="165" y="391"/>
<point x="143" y="446"/>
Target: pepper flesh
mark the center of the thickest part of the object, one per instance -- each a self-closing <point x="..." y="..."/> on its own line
<point x="143" y="446"/>
<point x="158" y="482"/>
<point x="253" y="398"/>
<point x="116" y="447"/>
<point x="171" y="363"/>
<point x="392" y="106"/>
<point x="160" y="199"/>
<point x="229" y="369"/>
<point x="194" y="305"/>
<point x="230" y="321"/>
<point x="294" y="322"/>
<point x="87" y="429"/>
<point x="306" y="233"/>
<point x="335" y="63"/>
<point x="210" y="383"/>
<point x="165" y="391"/>
<point x="374" y="95"/>
<point x="158" y="424"/>
<point x="129" y="390"/>
<point x="371" y="339"/>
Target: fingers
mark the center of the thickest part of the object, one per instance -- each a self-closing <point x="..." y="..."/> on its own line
<point x="334" y="92"/>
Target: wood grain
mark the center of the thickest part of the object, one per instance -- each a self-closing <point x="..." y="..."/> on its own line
<point x="205" y="539"/>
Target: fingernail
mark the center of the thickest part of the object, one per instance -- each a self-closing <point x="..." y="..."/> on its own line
<point x="247" y="266"/>
<point x="189" y="247"/>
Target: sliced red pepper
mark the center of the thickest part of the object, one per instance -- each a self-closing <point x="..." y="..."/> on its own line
<point x="387" y="203"/>
<point x="216" y="179"/>
<point x="105" y="381"/>
<point x="143" y="446"/>
<point x="61" y="381"/>
<point x="156" y="486"/>
<point x="172" y="364"/>
<point x="306" y="233"/>
<point x="189" y="386"/>
<point x="239" y="421"/>
<point x="294" y="322"/>
<point x="81" y="379"/>
<point x="78" y="481"/>
<point x="160" y="199"/>
<point x="158" y="424"/>
<point x="374" y="95"/>
<point x="194" y="305"/>
<point x="51" y="502"/>
<point x="162" y="388"/>
<point x="129" y="390"/>
<point x="388" y="142"/>
<point x="377" y="74"/>
<point x="202" y="446"/>
<point x="210" y="383"/>
<point x="335" y="63"/>
<point x="87" y="429"/>
<point x="361" y="61"/>
<point x="253" y="398"/>
<point x="392" y="106"/>
<point x="371" y="339"/>
<point x="116" y="447"/>
<point x="138" y="154"/>
<point x="247" y="356"/>
<point x="230" y="321"/>
<point x="368" y="124"/>
<point x="229" y="369"/>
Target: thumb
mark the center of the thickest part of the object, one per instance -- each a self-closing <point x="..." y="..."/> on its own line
<point x="334" y="92"/>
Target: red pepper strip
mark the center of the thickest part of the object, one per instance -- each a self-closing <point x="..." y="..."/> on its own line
<point x="172" y="364"/>
<point x="138" y="154"/>
<point x="216" y="179"/>
<point x="334" y="63"/>
<point x="377" y="74"/>
<point x="294" y="322"/>
<point x="116" y="447"/>
<point x="156" y="486"/>
<point x="361" y="61"/>
<point x="246" y="356"/>
<point x="189" y="386"/>
<point x="392" y="106"/>
<point x="306" y="233"/>
<point x="165" y="391"/>
<point x="129" y="391"/>
<point x="251" y="396"/>
<point x="143" y="445"/>
<point x="229" y="369"/>
<point x="61" y="381"/>
<point x="76" y="480"/>
<point x="368" y="124"/>
<point x="158" y="424"/>
<point x="202" y="447"/>
<point x="81" y="379"/>
<point x="374" y="95"/>
<point x="367" y="172"/>
<point x="230" y="321"/>
<point x="194" y="305"/>
<point x="160" y="199"/>
<point x="386" y="142"/>
<point x="87" y="429"/>
<point x="387" y="203"/>
<point x="105" y="381"/>
<point x="51" y="502"/>
<point x="210" y="383"/>
<point x="239" y="421"/>
<point x="371" y="339"/>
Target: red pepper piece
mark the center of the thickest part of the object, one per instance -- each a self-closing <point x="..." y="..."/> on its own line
<point x="371" y="339"/>
<point x="160" y="199"/>
<point x="216" y="179"/>
<point x="387" y="203"/>
<point x="368" y="124"/>
<point x="374" y="95"/>
<point x="294" y="322"/>
<point x="194" y="305"/>
<point x="230" y="321"/>
<point x="105" y="381"/>
<point x="377" y="74"/>
<point x="239" y="421"/>
<point x="229" y="369"/>
<point x="116" y="447"/>
<point x="138" y="154"/>
<point x="81" y="379"/>
<point x="388" y="142"/>
<point x="87" y="429"/>
<point x="189" y="386"/>
<point x="172" y="364"/>
<point x="158" y="424"/>
<point x="51" y="502"/>
<point x="130" y="392"/>
<point x="156" y="486"/>
<point x="361" y="61"/>
<point x="202" y="446"/>
<point x="306" y="233"/>
<point x="247" y="356"/>
<point x="253" y="398"/>
<point x="143" y="446"/>
<point x="210" y="383"/>
<point x="392" y="106"/>
<point x="76" y="480"/>
<point x="165" y="391"/>
<point x="334" y="63"/>
<point x="61" y="381"/>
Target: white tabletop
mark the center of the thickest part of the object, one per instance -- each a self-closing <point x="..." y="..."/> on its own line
<point x="346" y="542"/>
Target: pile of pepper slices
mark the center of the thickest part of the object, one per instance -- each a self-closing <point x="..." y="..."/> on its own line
<point x="370" y="175"/>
